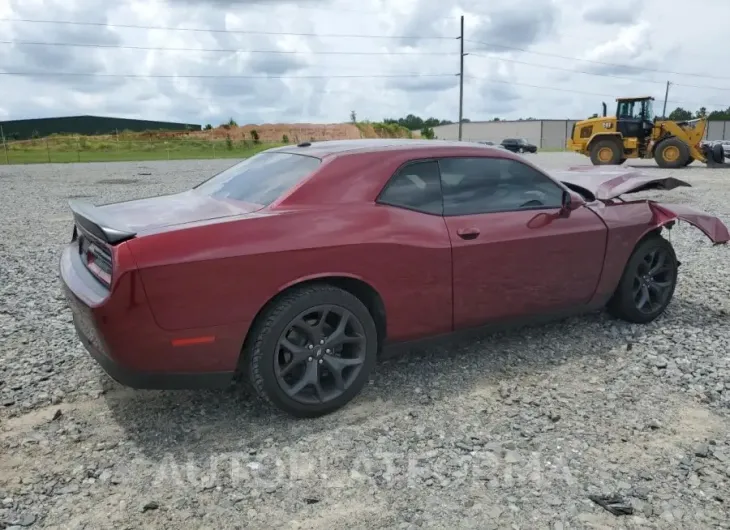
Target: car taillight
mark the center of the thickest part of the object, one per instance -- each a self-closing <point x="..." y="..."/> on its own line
<point x="97" y="258"/>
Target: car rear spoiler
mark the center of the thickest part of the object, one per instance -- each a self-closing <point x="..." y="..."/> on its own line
<point x="95" y="221"/>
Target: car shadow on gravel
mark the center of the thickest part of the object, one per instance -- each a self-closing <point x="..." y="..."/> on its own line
<point x="206" y="423"/>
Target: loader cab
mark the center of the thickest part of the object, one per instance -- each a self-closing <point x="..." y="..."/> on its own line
<point x="635" y="119"/>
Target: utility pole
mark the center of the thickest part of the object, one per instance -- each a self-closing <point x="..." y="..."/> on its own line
<point x="666" y="95"/>
<point x="461" y="77"/>
<point x="5" y="145"/>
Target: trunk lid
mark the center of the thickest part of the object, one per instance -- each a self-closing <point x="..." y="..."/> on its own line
<point x="144" y="215"/>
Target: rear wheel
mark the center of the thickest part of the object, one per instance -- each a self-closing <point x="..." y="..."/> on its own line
<point x="312" y="351"/>
<point x="671" y="153"/>
<point x="606" y="152"/>
<point x="648" y="282"/>
<point x="689" y="161"/>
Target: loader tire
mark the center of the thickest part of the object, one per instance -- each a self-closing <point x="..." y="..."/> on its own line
<point x="689" y="161"/>
<point x="718" y="155"/>
<point x="606" y="153"/>
<point x="671" y="153"/>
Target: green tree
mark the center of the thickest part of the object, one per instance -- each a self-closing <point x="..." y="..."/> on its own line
<point x="255" y="136"/>
<point x="679" y="114"/>
<point x="719" y="114"/>
<point x="353" y="117"/>
<point x="229" y="142"/>
<point x="208" y="127"/>
<point x="232" y="123"/>
<point x="285" y="139"/>
<point x="427" y="132"/>
<point x="702" y="113"/>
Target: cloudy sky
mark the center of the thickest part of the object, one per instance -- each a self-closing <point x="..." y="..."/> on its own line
<point x="316" y="60"/>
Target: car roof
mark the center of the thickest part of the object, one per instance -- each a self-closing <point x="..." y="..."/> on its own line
<point x="335" y="147"/>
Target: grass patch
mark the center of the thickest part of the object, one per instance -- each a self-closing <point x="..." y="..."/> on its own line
<point x="70" y="149"/>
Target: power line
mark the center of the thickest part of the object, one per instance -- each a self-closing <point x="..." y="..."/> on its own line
<point x="560" y="89"/>
<point x="616" y="65"/>
<point x="550" y="67"/>
<point x="337" y="52"/>
<point x="328" y="8"/>
<point x="221" y="50"/>
<point x="204" y="76"/>
<point x="231" y="31"/>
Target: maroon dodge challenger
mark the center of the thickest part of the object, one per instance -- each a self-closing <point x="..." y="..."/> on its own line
<point x="294" y="268"/>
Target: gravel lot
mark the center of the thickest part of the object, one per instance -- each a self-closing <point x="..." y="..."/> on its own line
<point x="515" y="430"/>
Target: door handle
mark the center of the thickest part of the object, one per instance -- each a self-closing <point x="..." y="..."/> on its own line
<point x="468" y="233"/>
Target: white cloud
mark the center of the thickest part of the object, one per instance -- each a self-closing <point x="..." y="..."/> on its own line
<point x="498" y="83"/>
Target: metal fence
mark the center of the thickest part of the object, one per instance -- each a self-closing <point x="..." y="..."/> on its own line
<point x="546" y="134"/>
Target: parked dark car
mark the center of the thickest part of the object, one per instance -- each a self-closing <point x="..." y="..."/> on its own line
<point x="518" y="145"/>
<point x="297" y="266"/>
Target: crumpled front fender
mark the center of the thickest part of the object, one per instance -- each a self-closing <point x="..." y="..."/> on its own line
<point x="710" y="225"/>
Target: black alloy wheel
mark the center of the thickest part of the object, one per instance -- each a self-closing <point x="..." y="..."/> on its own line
<point x="312" y="350"/>
<point x="653" y="281"/>
<point x="320" y="354"/>
<point x="648" y="282"/>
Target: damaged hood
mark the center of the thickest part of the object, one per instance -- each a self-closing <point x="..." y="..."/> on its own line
<point x="605" y="184"/>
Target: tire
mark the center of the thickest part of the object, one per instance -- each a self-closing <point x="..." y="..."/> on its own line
<point x="522" y="150"/>
<point x="623" y="303"/>
<point x="621" y="161"/>
<point x="599" y="153"/>
<point x="718" y="154"/>
<point x="689" y="161"/>
<point x="671" y="153"/>
<point x="263" y="353"/>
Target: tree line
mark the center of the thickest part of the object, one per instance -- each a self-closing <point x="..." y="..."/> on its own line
<point x="680" y="114"/>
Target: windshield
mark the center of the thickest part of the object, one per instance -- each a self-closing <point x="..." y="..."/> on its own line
<point x="261" y="179"/>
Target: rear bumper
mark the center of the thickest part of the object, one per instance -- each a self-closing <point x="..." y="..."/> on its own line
<point x="119" y="333"/>
<point x="152" y="380"/>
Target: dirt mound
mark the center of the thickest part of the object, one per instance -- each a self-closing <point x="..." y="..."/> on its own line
<point x="297" y="132"/>
<point x="301" y="132"/>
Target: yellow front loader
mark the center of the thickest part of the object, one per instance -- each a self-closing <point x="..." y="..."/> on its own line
<point x="634" y="132"/>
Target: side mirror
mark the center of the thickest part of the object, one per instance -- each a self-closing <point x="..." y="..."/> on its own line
<point x="571" y="201"/>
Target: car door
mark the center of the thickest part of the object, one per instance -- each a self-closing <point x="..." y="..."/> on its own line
<point x="414" y="257"/>
<point x="507" y="261"/>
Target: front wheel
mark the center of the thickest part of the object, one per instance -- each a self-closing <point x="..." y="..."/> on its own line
<point x="313" y="351"/>
<point x="648" y="282"/>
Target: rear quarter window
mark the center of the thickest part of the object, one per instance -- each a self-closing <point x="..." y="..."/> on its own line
<point x="260" y="179"/>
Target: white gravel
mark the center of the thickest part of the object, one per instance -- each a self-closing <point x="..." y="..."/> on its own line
<point x="515" y="430"/>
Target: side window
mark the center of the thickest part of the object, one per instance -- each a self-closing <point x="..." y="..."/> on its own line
<point x="415" y="186"/>
<point x="623" y="110"/>
<point x="484" y="185"/>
